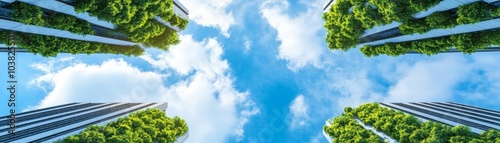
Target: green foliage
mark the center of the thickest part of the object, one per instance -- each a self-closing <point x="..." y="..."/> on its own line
<point x="68" y="23"/>
<point x="441" y="20"/>
<point x="160" y="40"/>
<point x="467" y="43"/>
<point x="31" y="14"/>
<point x="150" y="125"/>
<point x="345" y="129"/>
<point x="179" y="22"/>
<point x="414" y="26"/>
<point x="121" y="50"/>
<point x="402" y="127"/>
<point x="49" y="46"/>
<point x="394" y="10"/>
<point x="27" y="13"/>
<point x="466" y="14"/>
<point x="135" y="18"/>
<point x="368" y="16"/>
<point x="475" y="12"/>
<point x="344" y="28"/>
<point x="422" y="5"/>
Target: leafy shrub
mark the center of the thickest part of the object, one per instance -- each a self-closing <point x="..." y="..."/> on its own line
<point x="475" y="12"/>
<point x="344" y="29"/>
<point x="368" y="16"/>
<point x="33" y="15"/>
<point x="422" y="5"/>
<point x="466" y="43"/>
<point x="402" y="127"/>
<point x="68" y="23"/>
<point x="345" y="129"/>
<point x="50" y="46"/>
<point x="441" y="20"/>
<point x="150" y="125"/>
<point x="414" y="26"/>
<point x="27" y="13"/>
<point x="135" y="19"/>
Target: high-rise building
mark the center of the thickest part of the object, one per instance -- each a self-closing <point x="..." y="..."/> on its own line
<point x="54" y="123"/>
<point x="433" y="26"/>
<point x="450" y="114"/>
<point x="100" y="31"/>
<point x="453" y="114"/>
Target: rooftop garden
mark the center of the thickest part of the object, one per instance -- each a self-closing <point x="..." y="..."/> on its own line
<point x="348" y="19"/>
<point x="399" y="126"/>
<point x="147" y="126"/>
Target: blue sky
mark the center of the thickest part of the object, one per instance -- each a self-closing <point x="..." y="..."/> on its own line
<point x="255" y="71"/>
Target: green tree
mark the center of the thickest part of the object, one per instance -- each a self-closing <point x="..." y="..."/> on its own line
<point x="150" y="125"/>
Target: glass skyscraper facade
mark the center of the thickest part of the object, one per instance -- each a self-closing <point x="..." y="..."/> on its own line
<point x="391" y="33"/>
<point x="448" y="113"/>
<point x="453" y="114"/>
<point x="105" y="32"/>
<point x="54" y="123"/>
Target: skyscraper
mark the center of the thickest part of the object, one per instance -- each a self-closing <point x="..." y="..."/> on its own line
<point x="379" y="121"/>
<point x="68" y="19"/>
<point x="54" y="123"/>
<point x="396" y="27"/>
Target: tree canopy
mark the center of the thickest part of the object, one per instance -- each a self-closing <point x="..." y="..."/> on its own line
<point x="147" y="126"/>
<point x="401" y="127"/>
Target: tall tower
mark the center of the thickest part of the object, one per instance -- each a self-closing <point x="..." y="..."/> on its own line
<point x="425" y="27"/>
<point x="64" y="19"/>
<point x="414" y="122"/>
<point x="54" y="123"/>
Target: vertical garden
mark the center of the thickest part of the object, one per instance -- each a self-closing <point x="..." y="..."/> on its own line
<point x="134" y="21"/>
<point x="147" y="126"/>
<point x="347" y="20"/>
<point x="401" y="127"/>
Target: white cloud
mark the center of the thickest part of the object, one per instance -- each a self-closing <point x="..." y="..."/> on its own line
<point x="299" y="110"/>
<point x="248" y="45"/>
<point x="430" y="80"/>
<point x="204" y="96"/>
<point x="300" y="41"/>
<point x="317" y="138"/>
<point x="211" y="13"/>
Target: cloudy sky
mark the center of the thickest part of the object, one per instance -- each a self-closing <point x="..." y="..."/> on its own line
<point x="255" y="71"/>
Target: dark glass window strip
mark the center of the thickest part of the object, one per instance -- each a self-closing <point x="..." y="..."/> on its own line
<point x="395" y="32"/>
<point x="458" y="114"/>
<point x="412" y="113"/>
<point x="468" y="108"/>
<point x="476" y="108"/>
<point x="62" y="123"/>
<point x="84" y="126"/>
<point x="466" y="111"/>
<point x="442" y="116"/>
<point x="49" y="113"/>
<point x="58" y="117"/>
<point x="39" y="110"/>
